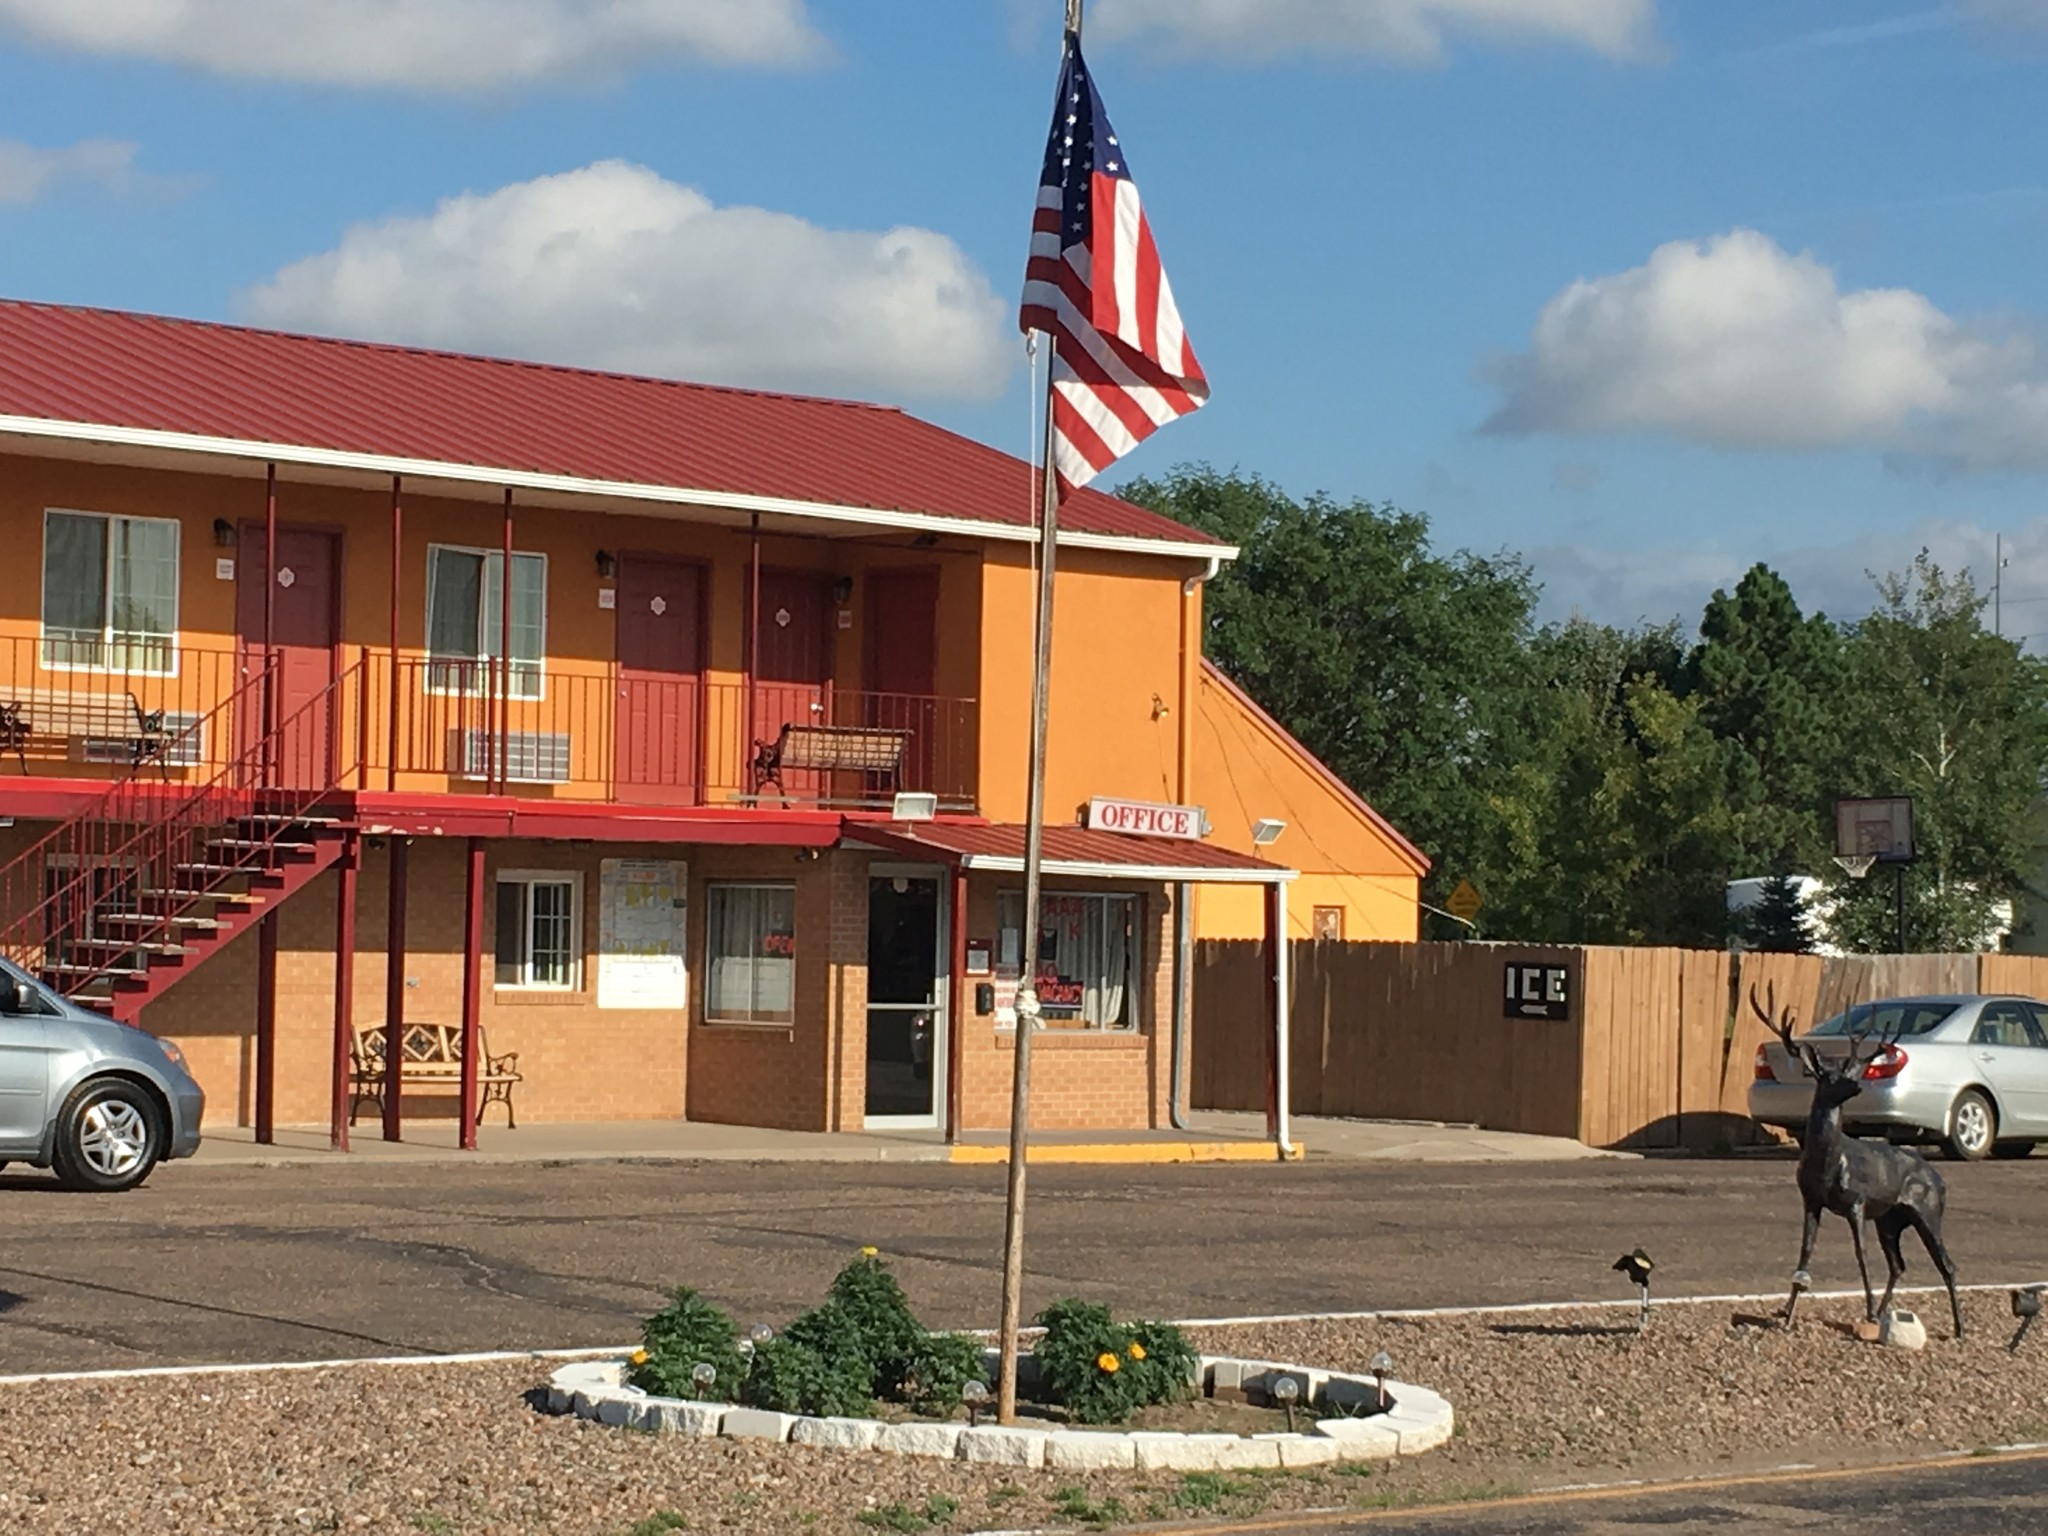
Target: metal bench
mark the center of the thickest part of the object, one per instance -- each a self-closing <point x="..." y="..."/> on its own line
<point x="829" y="749"/>
<point x="117" y="717"/>
<point x="430" y="1057"/>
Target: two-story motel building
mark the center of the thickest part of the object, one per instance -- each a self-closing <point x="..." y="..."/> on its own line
<point x="671" y="737"/>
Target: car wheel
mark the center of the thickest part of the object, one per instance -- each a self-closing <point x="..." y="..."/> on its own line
<point x="109" y="1137"/>
<point x="1972" y="1127"/>
<point x="2013" y="1149"/>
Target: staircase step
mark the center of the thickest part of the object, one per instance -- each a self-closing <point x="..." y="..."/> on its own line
<point x="277" y="819"/>
<point x="66" y="968"/>
<point x="130" y="946"/>
<point x="158" y="917"/>
<point x="258" y="845"/>
<point x="233" y="898"/>
<point x="217" y="869"/>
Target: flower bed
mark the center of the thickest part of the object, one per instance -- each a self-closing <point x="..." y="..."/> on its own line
<point x="820" y="1380"/>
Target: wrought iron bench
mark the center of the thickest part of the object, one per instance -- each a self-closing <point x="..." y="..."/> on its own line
<point x="117" y="717"/>
<point x="829" y="749"/>
<point x="431" y="1057"/>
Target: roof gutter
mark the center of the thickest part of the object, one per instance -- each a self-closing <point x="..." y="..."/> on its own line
<point x="386" y="465"/>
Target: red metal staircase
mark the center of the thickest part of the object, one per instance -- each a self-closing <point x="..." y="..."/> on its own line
<point x="119" y="903"/>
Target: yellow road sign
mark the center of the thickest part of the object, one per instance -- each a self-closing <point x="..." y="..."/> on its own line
<point x="1465" y="901"/>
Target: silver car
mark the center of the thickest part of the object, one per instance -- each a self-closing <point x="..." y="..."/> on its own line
<point x="1968" y="1072"/>
<point x="100" y="1102"/>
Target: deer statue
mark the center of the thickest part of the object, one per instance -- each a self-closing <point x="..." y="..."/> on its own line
<point x="1894" y="1187"/>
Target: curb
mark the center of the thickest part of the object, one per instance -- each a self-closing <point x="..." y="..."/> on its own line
<point x="1133" y="1152"/>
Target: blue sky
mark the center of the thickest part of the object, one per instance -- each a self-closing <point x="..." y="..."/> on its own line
<point x="1646" y="289"/>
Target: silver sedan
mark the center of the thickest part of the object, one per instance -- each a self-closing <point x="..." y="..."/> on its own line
<point x="1968" y="1072"/>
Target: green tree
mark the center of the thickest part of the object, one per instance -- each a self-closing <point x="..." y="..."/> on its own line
<point x="1779" y="922"/>
<point x="1401" y="667"/>
<point x="1770" y="680"/>
<point x="1957" y="718"/>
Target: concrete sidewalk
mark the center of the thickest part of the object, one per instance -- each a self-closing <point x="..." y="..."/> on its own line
<point x="1213" y="1137"/>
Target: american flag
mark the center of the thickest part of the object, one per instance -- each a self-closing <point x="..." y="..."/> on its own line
<point x="1122" y="364"/>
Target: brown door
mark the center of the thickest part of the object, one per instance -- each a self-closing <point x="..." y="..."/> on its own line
<point x="306" y="633"/>
<point x="793" y="667"/>
<point x="902" y="672"/>
<point x="661" y="665"/>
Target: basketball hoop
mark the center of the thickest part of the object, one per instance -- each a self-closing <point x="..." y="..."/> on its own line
<point x="1856" y="865"/>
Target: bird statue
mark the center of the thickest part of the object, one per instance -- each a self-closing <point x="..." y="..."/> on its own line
<point x="1637" y="1267"/>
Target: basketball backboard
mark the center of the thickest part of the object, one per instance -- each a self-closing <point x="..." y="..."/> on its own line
<point x="1881" y="829"/>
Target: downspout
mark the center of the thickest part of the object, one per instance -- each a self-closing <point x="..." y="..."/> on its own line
<point x="1183" y="893"/>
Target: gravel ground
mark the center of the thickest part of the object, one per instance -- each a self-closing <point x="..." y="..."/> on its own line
<point x="1542" y="1400"/>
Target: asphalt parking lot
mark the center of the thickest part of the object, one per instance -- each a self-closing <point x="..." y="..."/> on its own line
<point x="248" y="1264"/>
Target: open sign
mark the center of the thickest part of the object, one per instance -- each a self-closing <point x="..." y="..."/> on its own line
<point x="1537" y="991"/>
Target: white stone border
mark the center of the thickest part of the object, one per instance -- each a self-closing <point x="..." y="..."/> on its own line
<point x="1416" y="1420"/>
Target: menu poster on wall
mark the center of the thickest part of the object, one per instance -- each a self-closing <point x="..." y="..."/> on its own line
<point x="642" y="912"/>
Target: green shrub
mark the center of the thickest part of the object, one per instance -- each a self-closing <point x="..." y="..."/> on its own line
<point x="938" y="1366"/>
<point x="889" y="1333"/>
<point x="688" y="1332"/>
<point x="818" y="1365"/>
<point x="1104" y="1371"/>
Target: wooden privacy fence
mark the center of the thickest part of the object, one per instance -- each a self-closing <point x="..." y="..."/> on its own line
<point x="1654" y="1050"/>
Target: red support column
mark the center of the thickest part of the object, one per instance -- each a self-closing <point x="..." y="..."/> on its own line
<point x="959" y="1003"/>
<point x="752" y="640"/>
<point x="397" y="583"/>
<point x="269" y="754"/>
<point x="394" y="989"/>
<point x="344" y="990"/>
<point x="472" y="989"/>
<point x="266" y="1029"/>
<point x="505" y="655"/>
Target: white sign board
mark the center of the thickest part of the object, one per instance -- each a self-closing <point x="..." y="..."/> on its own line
<point x="642" y="929"/>
<point x="1142" y="818"/>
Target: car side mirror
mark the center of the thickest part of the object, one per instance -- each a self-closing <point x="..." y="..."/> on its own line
<point x="10" y="994"/>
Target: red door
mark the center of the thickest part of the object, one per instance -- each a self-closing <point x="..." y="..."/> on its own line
<point x="793" y="667"/>
<point x="902" y="671"/>
<point x="661" y="668"/>
<point x="306" y="633"/>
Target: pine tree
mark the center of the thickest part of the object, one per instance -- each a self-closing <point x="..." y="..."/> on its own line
<point x="1778" y="923"/>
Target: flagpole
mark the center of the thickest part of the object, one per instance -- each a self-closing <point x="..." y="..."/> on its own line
<point x="1027" y="1007"/>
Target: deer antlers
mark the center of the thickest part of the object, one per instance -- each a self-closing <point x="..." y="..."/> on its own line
<point x="1782" y="1025"/>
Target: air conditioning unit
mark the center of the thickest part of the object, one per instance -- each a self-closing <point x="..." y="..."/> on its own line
<point x="530" y="757"/>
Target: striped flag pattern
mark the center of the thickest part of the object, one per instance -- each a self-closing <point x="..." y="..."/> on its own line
<point x="1122" y="364"/>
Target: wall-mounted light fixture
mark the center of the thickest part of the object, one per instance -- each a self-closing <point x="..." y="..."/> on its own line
<point x="842" y="591"/>
<point x="1160" y="708"/>
<point x="607" y="564"/>
<point x="913" y="805"/>
<point x="223" y="533"/>
<point x="1267" y="830"/>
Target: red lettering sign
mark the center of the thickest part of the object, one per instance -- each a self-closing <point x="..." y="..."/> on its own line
<point x="1143" y="819"/>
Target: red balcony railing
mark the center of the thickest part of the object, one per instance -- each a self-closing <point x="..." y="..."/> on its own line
<point x="154" y="706"/>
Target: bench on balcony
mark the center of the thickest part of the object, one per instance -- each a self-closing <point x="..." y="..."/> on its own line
<point x="830" y="749"/>
<point x="430" y="1058"/>
<point x="109" y="717"/>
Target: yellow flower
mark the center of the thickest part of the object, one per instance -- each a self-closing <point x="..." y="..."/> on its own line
<point x="1137" y="1350"/>
<point x="639" y="1357"/>
<point x="1107" y="1362"/>
<point x="869" y="1253"/>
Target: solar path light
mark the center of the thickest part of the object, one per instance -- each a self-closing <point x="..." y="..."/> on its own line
<point x="2026" y="1306"/>
<point x="1381" y="1365"/>
<point x="1637" y="1267"/>
<point x="1288" y="1391"/>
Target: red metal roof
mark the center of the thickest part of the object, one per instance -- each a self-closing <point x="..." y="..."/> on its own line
<point x="147" y="372"/>
<point x="1064" y="844"/>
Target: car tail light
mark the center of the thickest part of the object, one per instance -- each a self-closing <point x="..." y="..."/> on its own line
<point x="1889" y="1062"/>
<point x="1764" y="1074"/>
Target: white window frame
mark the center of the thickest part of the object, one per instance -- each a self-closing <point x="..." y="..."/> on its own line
<point x="1134" y="1005"/>
<point x="481" y="660"/>
<point x="107" y="637"/>
<point x="711" y="890"/>
<point x="530" y="878"/>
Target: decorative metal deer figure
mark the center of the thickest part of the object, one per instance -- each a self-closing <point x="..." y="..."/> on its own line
<point x="1893" y="1187"/>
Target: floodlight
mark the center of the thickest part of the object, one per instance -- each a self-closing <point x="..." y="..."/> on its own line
<point x="1266" y="830"/>
<point x="914" y="805"/>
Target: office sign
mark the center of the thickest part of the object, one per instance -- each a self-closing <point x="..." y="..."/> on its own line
<point x="1143" y="818"/>
<point x="1537" y="991"/>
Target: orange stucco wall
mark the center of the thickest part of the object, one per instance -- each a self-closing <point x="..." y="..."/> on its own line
<point x="1246" y="771"/>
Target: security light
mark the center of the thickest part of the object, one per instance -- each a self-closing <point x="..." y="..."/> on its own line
<point x="914" y="805"/>
<point x="1266" y="830"/>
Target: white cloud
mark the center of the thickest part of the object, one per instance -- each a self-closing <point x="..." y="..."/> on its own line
<point x="1412" y="31"/>
<point x="1635" y="583"/>
<point x="611" y="266"/>
<point x="2032" y="14"/>
<point x="422" y="45"/>
<point x="1737" y="344"/>
<point x="27" y="172"/>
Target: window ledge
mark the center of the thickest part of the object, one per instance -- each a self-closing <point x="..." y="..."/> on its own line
<point x="1082" y="1039"/>
<point x="750" y="1026"/>
<point x="536" y="997"/>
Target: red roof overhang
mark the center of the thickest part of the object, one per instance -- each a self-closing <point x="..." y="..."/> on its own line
<point x="1069" y="852"/>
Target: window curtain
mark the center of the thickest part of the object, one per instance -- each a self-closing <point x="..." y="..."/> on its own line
<point x="143" y="593"/>
<point x="749" y="932"/>
<point x="1106" y="960"/>
<point x="74" y="589"/>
